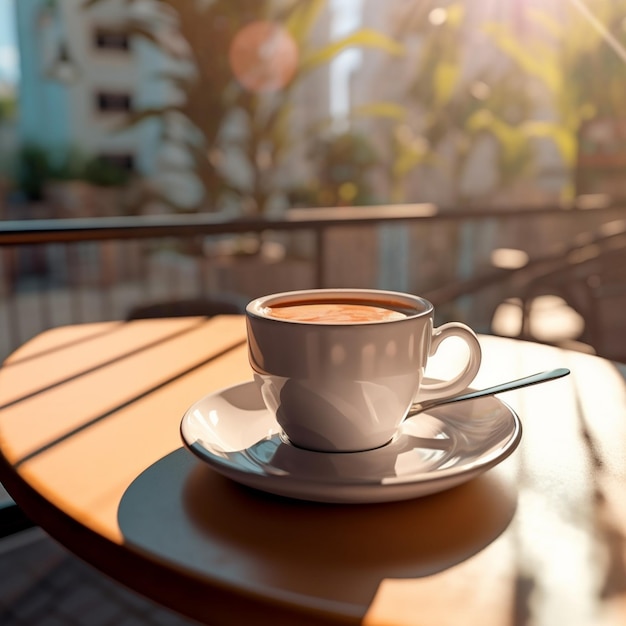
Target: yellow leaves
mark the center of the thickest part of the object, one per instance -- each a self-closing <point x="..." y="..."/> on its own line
<point x="589" y="23"/>
<point x="445" y="79"/>
<point x="302" y="20"/>
<point x="365" y="37"/>
<point x="387" y="110"/>
<point x="511" y="138"/>
<point x="562" y="137"/>
<point x="587" y="111"/>
<point x="455" y="14"/>
<point x="514" y="138"/>
<point x="536" y="60"/>
<point x="348" y="192"/>
<point x="563" y="53"/>
<point x="410" y="150"/>
<point x="405" y="161"/>
<point x="480" y="120"/>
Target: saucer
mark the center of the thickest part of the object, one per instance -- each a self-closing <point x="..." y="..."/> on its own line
<point x="236" y="435"/>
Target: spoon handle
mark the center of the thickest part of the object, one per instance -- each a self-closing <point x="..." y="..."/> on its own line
<point x="527" y="381"/>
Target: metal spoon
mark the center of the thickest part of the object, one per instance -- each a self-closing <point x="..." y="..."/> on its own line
<point x="535" y="379"/>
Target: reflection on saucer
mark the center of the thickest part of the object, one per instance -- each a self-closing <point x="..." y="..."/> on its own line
<point x="233" y="432"/>
<point x="402" y="456"/>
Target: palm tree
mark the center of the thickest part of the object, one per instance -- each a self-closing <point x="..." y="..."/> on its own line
<point x="226" y="120"/>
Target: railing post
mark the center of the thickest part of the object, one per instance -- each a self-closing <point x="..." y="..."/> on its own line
<point x="319" y="258"/>
<point x="8" y="264"/>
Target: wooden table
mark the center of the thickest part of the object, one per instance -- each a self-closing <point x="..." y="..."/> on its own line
<point x="90" y="449"/>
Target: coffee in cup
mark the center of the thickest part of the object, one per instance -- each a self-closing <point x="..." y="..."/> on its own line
<point x="339" y="312"/>
<point x="340" y="368"/>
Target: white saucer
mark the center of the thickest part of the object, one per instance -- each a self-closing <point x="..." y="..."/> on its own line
<point x="236" y="435"/>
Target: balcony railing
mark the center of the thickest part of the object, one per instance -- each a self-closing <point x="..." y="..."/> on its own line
<point x="80" y="270"/>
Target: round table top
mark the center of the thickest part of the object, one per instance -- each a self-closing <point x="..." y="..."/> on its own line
<point x="90" y="448"/>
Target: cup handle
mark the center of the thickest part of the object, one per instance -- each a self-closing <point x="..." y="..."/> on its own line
<point x="466" y="376"/>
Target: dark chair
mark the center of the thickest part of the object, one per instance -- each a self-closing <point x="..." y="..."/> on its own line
<point x="223" y="305"/>
<point x="590" y="281"/>
<point x="12" y="519"/>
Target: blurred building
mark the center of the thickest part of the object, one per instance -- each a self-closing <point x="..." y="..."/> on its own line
<point x="81" y="74"/>
<point x="88" y="84"/>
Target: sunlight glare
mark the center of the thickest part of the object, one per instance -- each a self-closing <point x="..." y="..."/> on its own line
<point x="438" y="16"/>
<point x="263" y="57"/>
<point x="590" y="201"/>
<point x="553" y="320"/>
<point x="509" y="258"/>
<point x="600" y="28"/>
<point x="614" y="227"/>
<point x="507" y="319"/>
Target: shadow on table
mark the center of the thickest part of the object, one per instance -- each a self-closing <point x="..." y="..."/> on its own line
<point x="184" y="511"/>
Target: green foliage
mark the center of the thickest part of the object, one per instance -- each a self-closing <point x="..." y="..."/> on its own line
<point x="545" y="81"/>
<point x="38" y="166"/>
<point x="211" y="97"/>
<point x="438" y="101"/>
<point x="103" y="173"/>
<point x="33" y="171"/>
<point x="362" y="38"/>
<point x="342" y="165"/>
<point x="575" y="65"/>
<point x="8" y="109"/>
<point x="563" y="65"/>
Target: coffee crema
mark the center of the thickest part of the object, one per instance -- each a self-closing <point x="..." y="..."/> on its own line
<point x="336" y="312"/>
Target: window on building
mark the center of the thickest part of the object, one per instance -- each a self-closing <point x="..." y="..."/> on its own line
<point x="113" y="101"/>
<point x="110" y="39"/>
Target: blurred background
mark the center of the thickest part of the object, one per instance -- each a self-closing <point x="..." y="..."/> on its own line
<point x="165" y="157"/>
<point x="192" y="153"/>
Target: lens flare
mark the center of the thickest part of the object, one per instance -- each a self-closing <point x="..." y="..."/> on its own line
<point x="263" y="57"/>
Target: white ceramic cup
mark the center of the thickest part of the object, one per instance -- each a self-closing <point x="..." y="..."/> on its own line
<point x="345" y="386"/>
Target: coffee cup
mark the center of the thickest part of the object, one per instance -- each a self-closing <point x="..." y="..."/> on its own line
<point x="340" y="368"/>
